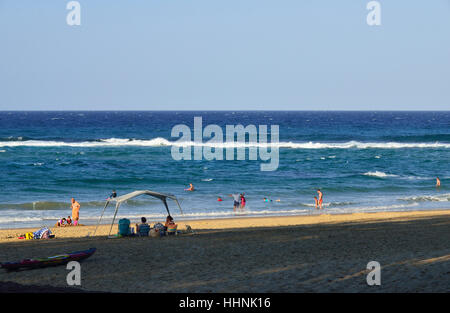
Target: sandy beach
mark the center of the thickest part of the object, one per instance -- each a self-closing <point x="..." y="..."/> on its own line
<point x="323" y="253"/>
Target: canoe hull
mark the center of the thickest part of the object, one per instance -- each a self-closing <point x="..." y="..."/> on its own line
<point x="50" y="261"/>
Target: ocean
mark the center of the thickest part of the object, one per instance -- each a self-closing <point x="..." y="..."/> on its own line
<point x="362" y="162"/>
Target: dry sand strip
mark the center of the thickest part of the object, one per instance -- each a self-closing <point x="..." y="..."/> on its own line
<point x="327" y="253"/>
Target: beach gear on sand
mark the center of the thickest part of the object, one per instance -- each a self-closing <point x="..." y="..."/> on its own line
<point x="124" y="227"/>
<point x="50" y="261"/>
<point x="43" y="233"/>
<point x="154" y="232"/>
<point x="189" y="230"/>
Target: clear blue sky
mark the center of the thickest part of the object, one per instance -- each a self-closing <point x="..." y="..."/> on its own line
<point x="220" y="55"/>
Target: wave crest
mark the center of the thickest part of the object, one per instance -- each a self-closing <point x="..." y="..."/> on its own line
<point x="159" y="141"/>
<point x="379" y="174"/>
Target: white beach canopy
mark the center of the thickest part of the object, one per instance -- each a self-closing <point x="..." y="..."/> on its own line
<point x="137" y="193"/>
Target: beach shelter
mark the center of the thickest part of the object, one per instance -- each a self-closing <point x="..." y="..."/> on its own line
<point x="119" y="200"/>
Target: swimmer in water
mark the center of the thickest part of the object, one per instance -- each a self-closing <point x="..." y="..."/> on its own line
<point x="191" y="187"/>
<point x="112" y="195"/>
<point x="438" y="182"/>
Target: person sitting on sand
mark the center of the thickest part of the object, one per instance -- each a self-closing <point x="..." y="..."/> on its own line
<point x="69" y="221"/>
<point x="143" y="228"/>
<point x="61" y="223"/>
<point x="191" y="188"/>
<point x="75" y="211"/>
<point x="169" y="221"/>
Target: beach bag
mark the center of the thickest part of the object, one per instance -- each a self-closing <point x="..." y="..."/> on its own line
<point x="154" y="232"/>
<point x="124" y="227"/>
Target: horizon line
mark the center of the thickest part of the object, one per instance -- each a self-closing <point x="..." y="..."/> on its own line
<point x="240" y="110"/>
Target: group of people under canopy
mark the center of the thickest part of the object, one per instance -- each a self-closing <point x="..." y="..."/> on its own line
<point x="144" y="228"/>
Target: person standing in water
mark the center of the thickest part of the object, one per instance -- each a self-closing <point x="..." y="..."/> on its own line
<point x="75" y="212"/>
<point x="242" y="201"/>
<point x="316" y="202"/>
<point x="236" y="198"/>
<point x="320" y="198"/>
<point x="438" y="182"/>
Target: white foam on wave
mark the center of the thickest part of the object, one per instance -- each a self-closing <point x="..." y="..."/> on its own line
<point x="379" y="174"/>
<point x="329" y="204"/>
<point x="119" y="142"/>
<point x="378" y="208"/>
<point x="438" y="198"/>
<point x="19" y="219"/>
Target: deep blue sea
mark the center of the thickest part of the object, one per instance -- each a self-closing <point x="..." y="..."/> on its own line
<point x="362" y="161"/>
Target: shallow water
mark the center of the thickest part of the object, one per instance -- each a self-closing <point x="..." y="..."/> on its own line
<point x="362" y="161"/>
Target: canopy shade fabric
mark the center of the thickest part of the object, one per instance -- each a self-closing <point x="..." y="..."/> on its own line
<point x="141" y="192"/>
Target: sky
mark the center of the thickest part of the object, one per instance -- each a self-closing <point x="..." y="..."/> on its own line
<point x="224" y="55"/>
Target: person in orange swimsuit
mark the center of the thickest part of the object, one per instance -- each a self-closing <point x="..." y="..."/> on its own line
<point x="320" y="198"/>
<point x="75" y="211"/>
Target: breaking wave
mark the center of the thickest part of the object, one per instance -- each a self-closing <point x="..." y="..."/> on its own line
<point x="379" y="174"/>
<point x="155" y="142"/>
<point x="440" y="198"/>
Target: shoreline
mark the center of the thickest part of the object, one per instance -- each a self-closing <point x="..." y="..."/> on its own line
<point x="229" y="223"/>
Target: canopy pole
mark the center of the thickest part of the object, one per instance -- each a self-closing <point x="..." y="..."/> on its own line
<point x="101" y="216"/>
<point x="167" y="207"/>
<point x="114" y="218"/>
<point x="179" y="206"/>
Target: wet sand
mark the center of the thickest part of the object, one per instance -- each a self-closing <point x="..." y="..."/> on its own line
<point x="322" y="253"/>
